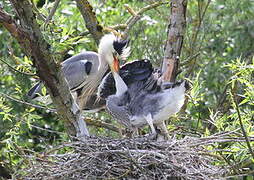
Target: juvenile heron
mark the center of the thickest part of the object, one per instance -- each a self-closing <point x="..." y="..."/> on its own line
<point x="84" y="72"/>
<point x="143" y="101"/>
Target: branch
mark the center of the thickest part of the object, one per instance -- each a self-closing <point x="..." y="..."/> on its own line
<point x="31" y="40"/>
<point x="118" y="27"/>
<point x="176" y="28"/>
<point x="101" y="124"/>
<point x="241" y="122"/>
<point x="27" y="103"/>
<point x="137" y="16"/>
<point x="92" y="24"/>
<point x="16" y="70"/>
<point x="89" y="121"/>
<point x="52" y="12"/>
<point x="193" y="45"/>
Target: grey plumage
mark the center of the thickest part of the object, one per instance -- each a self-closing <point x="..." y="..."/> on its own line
<point x="84" y="72"/>
<point x="118" y="110"/>
<point x="76" y="71"/>
<point x="77" y="68"/>
<point x="146" y="101"/>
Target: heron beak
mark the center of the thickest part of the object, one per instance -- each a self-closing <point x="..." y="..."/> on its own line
<point x="115" y="65"/>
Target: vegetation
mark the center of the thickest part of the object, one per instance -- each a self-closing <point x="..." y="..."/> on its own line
<point x="217" y="57"/>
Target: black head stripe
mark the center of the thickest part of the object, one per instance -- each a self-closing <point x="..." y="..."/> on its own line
<point x="119" y="45"/>
<point x="88" y="67"/>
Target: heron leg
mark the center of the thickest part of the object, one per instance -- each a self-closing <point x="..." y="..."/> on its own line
<point x="164" y="130"/>
<point x="149" y="120"/>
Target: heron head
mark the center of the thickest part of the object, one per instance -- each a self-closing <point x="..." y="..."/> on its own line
<point x="113" y="49"/>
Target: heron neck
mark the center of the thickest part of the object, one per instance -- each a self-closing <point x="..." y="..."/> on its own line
<point x="103" y="65"/>
<point x="121" y="87"/>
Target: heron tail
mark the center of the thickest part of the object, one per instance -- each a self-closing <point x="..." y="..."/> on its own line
<point x="35" y="90"/>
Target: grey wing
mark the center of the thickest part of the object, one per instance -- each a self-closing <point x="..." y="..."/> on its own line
<point x="35" y="90"/>
<point x="145" y="103"/>
<point x="77" y="68"/>
<point x="76" y="73"/>
<point x="118" y="110"/>
<point x="88" y="55"/>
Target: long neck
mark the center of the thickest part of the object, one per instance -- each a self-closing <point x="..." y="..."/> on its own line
<point x="121" y="87"/>
<point x="103" y="61"/>
<point x="94" y="81"/>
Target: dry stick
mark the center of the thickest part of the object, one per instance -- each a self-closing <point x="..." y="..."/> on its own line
<point x="52" y="12"/>
<point x="241" y="123"/>
<point x="16" y="70"/>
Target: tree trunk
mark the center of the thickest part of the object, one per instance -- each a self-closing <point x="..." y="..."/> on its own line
<point x="27" y="33"/>
<point x="176" y="29"/>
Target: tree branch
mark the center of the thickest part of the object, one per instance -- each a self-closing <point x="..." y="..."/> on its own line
<point x="31" y="40"/>
<point x="52" y="12"/>
<point x="16" y="70"/>
<point x="27" y="103"/>
<point x="176" y="28"/>
<point x="241" y="122"/>
<point x="101" y="124"/>
<point x="89" y="121"/>
<point x="92" y="24"/>
<point x="194" y="38"/>
<point x="137" y="16"/>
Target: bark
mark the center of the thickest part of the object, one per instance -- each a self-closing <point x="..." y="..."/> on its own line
<point x="176" y="29"/>
<point x="92" y="24"/>
<point x="27" y="33"/>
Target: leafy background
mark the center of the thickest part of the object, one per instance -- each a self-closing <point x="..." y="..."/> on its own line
<point x="217" y="57"/>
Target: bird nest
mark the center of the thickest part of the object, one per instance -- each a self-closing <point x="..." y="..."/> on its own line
<point x="139" y="158"/>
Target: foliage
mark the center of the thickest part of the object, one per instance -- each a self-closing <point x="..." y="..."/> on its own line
<point x="217" y="57"/>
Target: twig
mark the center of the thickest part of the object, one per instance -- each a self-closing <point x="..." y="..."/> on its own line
<point x="98" y="123"/>
<point x="16" y="70"/>
<point x="28" y="104"/>
<point x="44" y="129"/>
<point x="137" y="15"/>
<point x="241" y="123"/>
<point x="250" y="173"/>
<point x="130" y="10"/>
<point x="118" y="26"/>
<point x="127" y="158"/>
<point x="185" y="62"/>
<point x="194" y="39"/>
<point x="52" y="12"/>
<point x="89" y="121"/>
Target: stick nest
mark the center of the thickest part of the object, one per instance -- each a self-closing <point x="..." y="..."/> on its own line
<point x="140" y="158"/>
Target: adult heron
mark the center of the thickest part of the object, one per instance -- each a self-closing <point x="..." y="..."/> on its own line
<point x="146" y="101"/>
<point x="84" y="72"/>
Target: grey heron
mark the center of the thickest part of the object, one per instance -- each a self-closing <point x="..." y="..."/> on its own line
<point x="84" y="71"/>
<point x="143" y="101"/>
